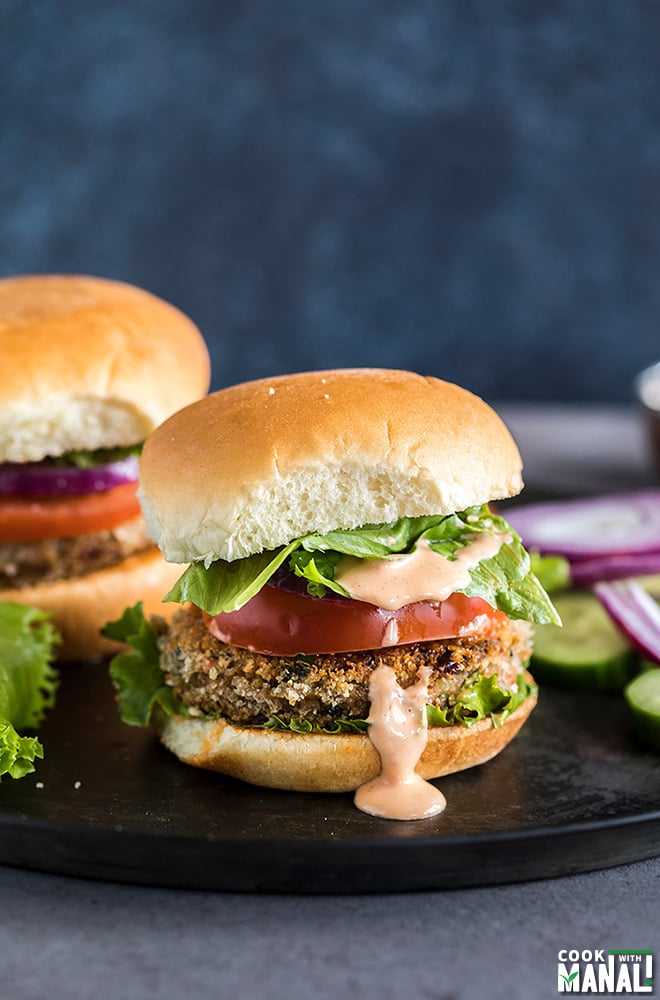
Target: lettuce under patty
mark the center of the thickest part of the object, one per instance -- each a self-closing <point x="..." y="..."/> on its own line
<point x="505" y="580"/>
<point x="141" y="689"/>
<point x="479" y="699"/>
<point x="28" y="683"/>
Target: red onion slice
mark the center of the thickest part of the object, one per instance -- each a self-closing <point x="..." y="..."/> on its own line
<point x="587" y="572"/>
<point x="635" y="614"/>
<point x="585" y="529"/>
<point x="40" y="480"/>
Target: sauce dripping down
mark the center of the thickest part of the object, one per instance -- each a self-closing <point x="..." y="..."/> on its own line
<point x="420" y="575"/>
<point x="398" y="730"/>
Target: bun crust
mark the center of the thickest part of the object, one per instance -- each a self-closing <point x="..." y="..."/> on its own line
<point x="316" y="762"/>
<point x="82" y="605"/>
<point x="89" y="363"/>
<point x="256" y="465"/>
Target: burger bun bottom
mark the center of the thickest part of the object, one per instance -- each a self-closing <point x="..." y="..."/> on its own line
<point x="81" y="606"/>
<point x="318" y="762"/>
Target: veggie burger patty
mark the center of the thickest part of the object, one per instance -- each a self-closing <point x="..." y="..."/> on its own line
<point x="23" y="564"/>
<point x="248" y="688"/>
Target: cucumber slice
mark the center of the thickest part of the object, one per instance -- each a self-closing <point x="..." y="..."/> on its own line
<point x="643" y="697"/>
<point x="588" y="653"/>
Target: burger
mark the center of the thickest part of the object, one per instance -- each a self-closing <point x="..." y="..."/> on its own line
<point x="356" y="611"/>
<point x="89" y="368"/>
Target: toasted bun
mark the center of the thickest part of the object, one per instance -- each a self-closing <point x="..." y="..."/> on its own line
<point x="89" y="363"/>
<point x="82" y="605"/>
<point x="316" y="762"/>
<point x="261" y="463"/>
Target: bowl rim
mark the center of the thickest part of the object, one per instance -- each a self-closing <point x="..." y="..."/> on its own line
<point x="649" y="374"/>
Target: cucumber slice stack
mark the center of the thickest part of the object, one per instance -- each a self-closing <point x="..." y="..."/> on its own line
<point x="588" y="653"/>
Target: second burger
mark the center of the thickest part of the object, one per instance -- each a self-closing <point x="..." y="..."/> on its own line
<point x="89" y="368"/>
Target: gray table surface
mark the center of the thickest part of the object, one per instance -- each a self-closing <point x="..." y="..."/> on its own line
<point x="74" y="939"/>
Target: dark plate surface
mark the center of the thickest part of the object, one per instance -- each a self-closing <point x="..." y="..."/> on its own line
<point x="572" y="793"/>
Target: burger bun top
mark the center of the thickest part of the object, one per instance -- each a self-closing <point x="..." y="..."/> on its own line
<point x="90" y="363"/>
<point x="256" y="465"/>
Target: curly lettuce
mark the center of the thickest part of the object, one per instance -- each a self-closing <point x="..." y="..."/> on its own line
<point x="136" y="675"/>
<point x="479" y="699"/>
<point x="28" y="683"/>
<point x="482" y="699"/>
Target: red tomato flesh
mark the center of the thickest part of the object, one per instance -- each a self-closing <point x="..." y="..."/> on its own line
<point x="29" y="519"/>
<point x="279" y="623"/>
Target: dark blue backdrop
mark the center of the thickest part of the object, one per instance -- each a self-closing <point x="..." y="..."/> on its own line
<point x="470" y="189"/>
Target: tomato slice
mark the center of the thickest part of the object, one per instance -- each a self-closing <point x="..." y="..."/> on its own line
<point x="279" y="623"/>
<point x="24" y="519"/>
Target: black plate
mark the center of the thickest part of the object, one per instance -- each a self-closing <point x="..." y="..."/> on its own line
<point x="573" y="792"/>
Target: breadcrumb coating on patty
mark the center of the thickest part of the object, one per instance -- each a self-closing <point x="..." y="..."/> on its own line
<point x="247" y="687"/>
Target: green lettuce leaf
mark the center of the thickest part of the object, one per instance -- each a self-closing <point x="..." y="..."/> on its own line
<point x="136" y="675"/>
<point x="318" y="569"/>
<point x="306" y="726"/>
<point x="477" y="700"/>
<point x="481" y="699"/>
<point x="507" y="583"/>
<point x="376" y="540"/>
<point x="227" y="586"/>
<point x="102" y="456"/>
<point x="506" y="580"/>
<point x="28" y="683"/>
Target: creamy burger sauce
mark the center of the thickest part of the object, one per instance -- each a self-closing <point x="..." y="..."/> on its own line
<point x="420" y="575"/>
<point x="398" y="727"/>
<point x="398" y="730"/>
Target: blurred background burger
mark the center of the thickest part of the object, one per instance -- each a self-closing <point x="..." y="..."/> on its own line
<point x="89" y="368"/>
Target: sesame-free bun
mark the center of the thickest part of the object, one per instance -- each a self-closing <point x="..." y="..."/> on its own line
<point x="89" y="363"/>
<point x="256" y="465"/>
<point x="317" y="762"/>
<point x="81" y="605"/>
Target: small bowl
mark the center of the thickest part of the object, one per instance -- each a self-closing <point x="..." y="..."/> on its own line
<point x="647" y="386"/>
